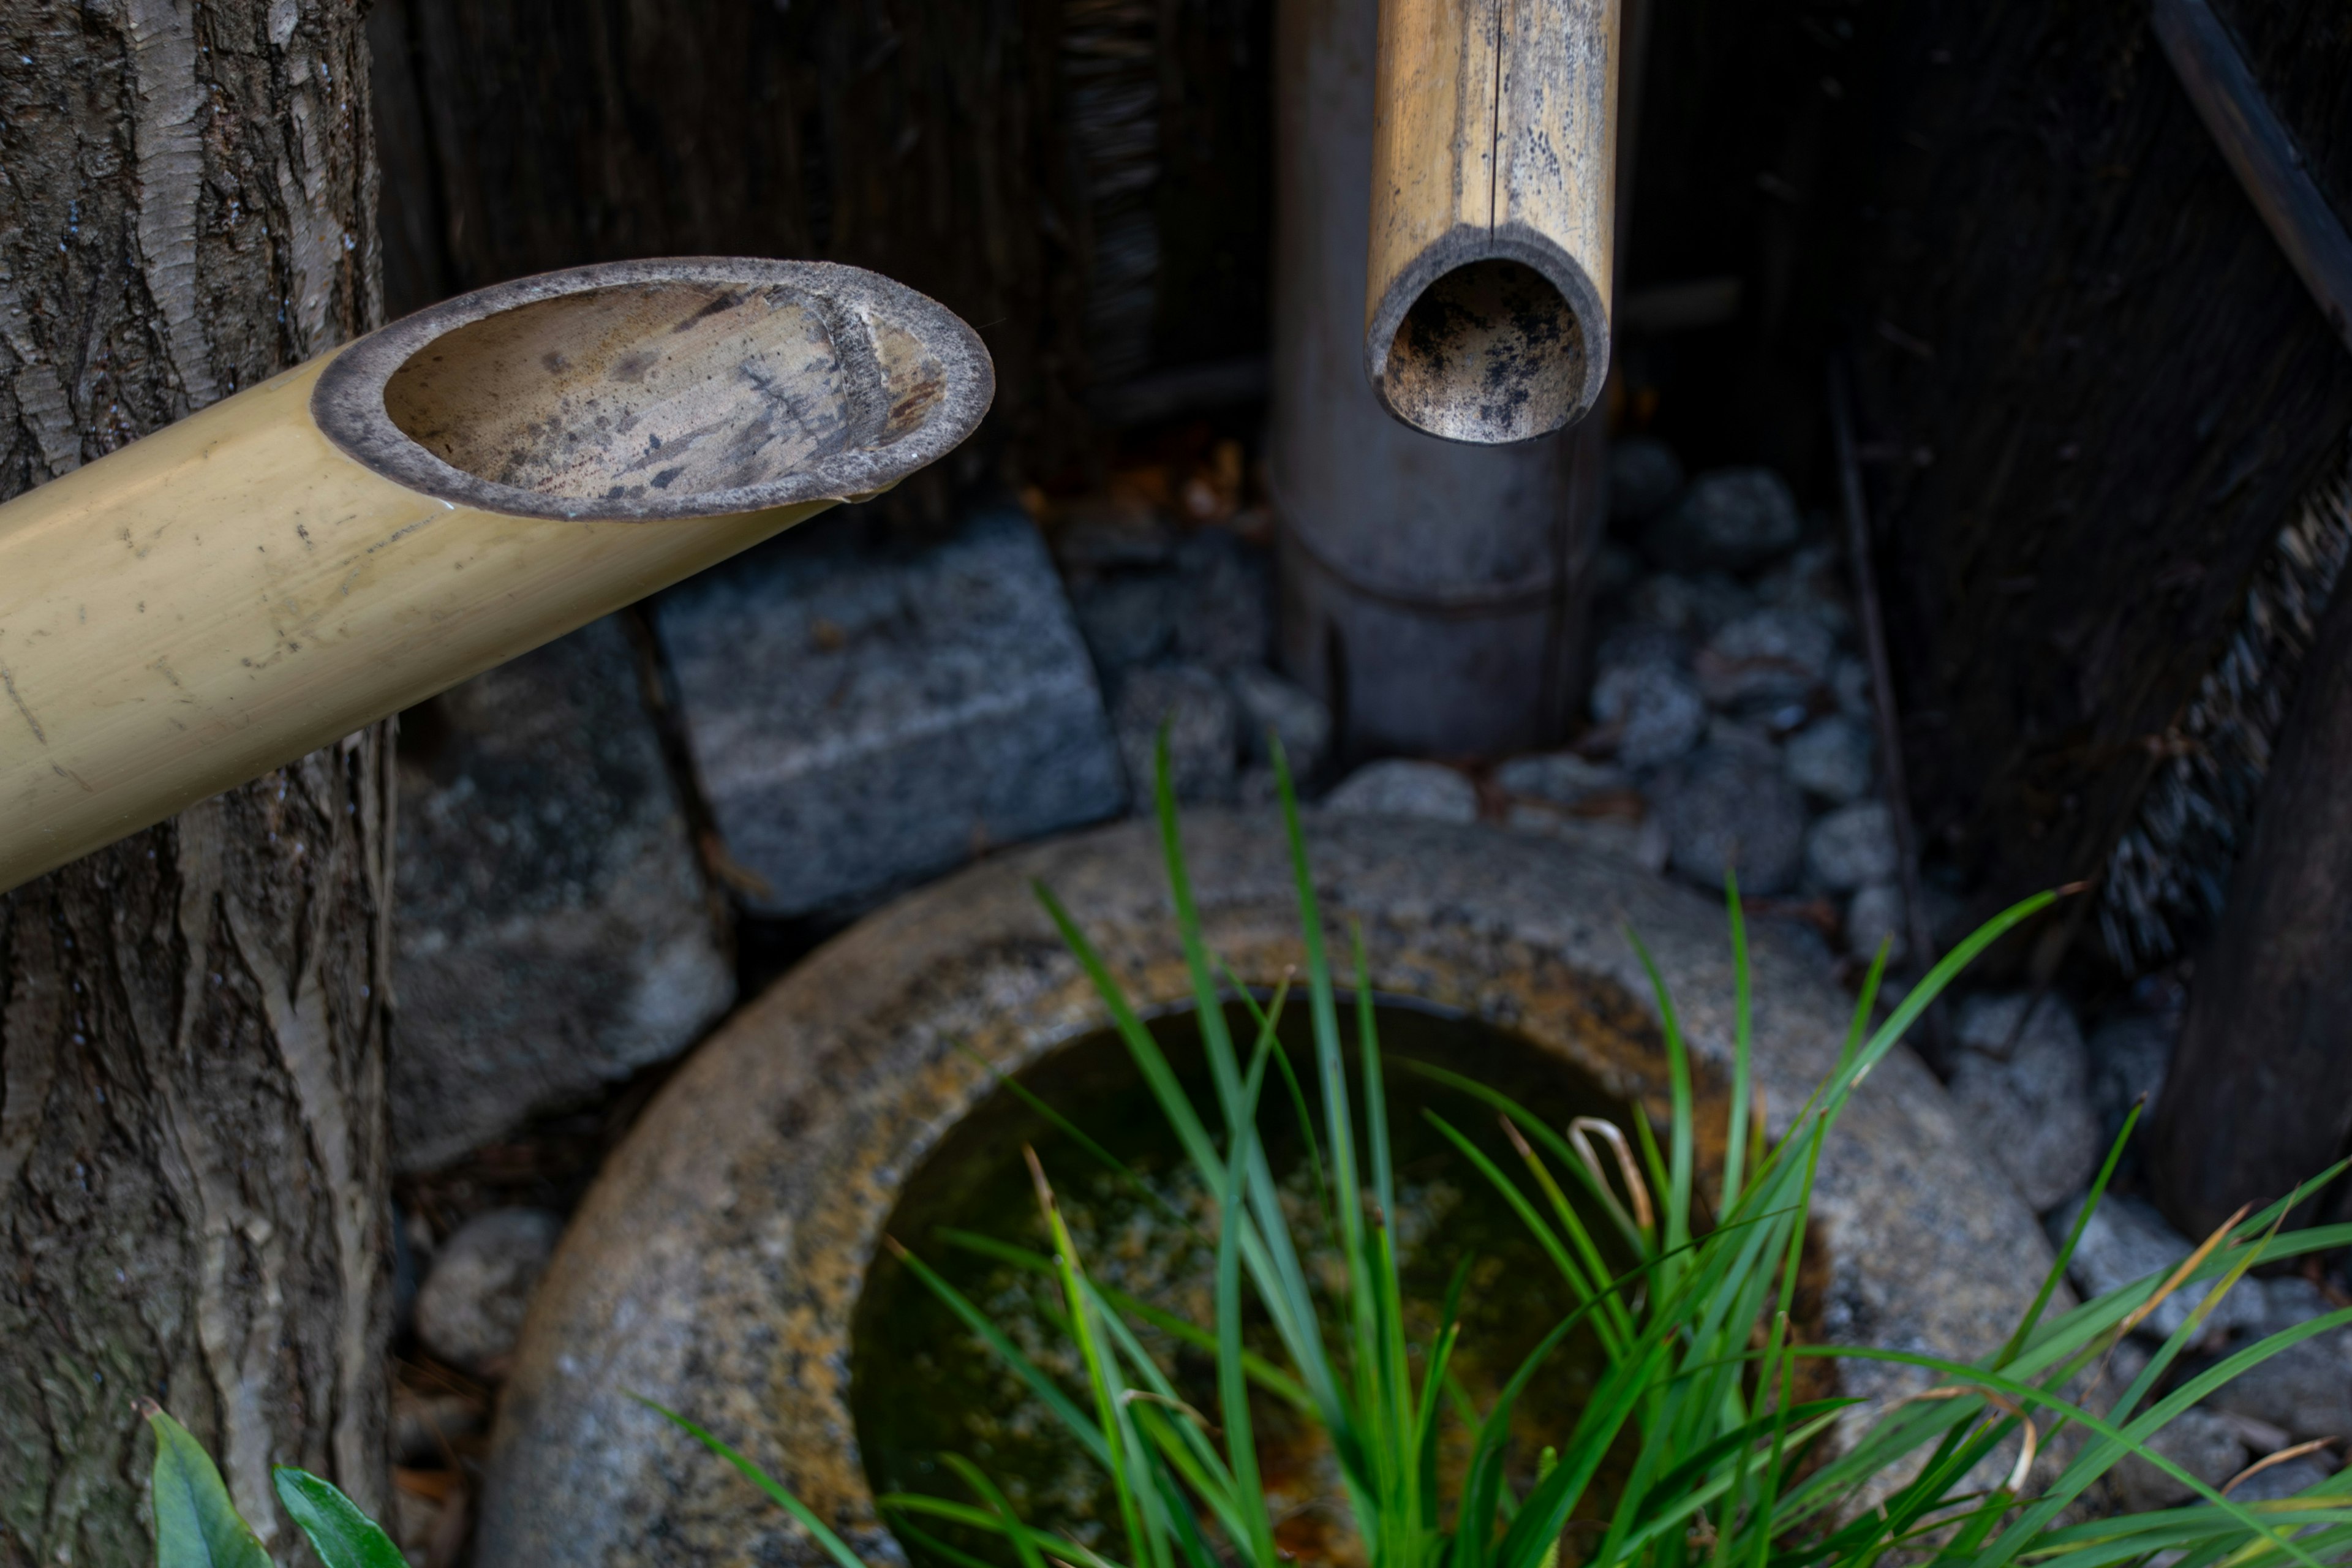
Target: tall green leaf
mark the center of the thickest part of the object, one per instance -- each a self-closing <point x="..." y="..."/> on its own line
<point x="339" y="1534"/>
<point x="196" y="1524"/>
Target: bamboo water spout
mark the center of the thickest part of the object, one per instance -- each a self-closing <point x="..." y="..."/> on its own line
<point x="369" y="529"/>
<point x="1493" y="198"/>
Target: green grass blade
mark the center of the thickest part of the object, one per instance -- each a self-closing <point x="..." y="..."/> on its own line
<point x="1232" y="1391"/>
<point x="2026" y="1325"/>
<point x="1047" y="1390"/>
<point x="1109" y="1414"/>
<point x="1735" y="1143"/>
<point x="1077" y="1134"/>
<point x="1014" y="1530"/>
<point x="1263" y="1373"/>
<point x="1680" y="1143"/>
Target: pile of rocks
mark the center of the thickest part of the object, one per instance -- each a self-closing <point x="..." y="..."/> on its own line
<point x="1730" y="709"/>
<point x="1177" y="614"/>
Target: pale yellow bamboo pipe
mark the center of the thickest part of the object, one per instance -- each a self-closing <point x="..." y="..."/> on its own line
<point x="357" y="534"/>
<point x="1493" y="229"/>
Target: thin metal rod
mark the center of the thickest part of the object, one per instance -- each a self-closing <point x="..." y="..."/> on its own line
<point x="2262" y="152"/>
<point x="1857" y="507"/>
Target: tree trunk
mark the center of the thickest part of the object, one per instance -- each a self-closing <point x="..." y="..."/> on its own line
<point x="2259" y="1094"/>
<point x="2104" y="390"/>
<point x="192" y="1022"/>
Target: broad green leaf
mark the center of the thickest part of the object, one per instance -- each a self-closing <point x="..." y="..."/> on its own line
<point x="342" y="1536"/>
<point x="196" y="1525"/>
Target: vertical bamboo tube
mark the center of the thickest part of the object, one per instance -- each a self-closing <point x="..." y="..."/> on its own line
<point x="1493" y="213"/>
<point x="1433" y="593"/>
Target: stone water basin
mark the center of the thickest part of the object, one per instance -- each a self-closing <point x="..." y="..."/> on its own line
<point x="722" y="1261"/>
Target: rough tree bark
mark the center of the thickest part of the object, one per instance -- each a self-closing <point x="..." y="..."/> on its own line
<point x="2108" y="388"/>
<point x="192" y="1023"/>
<point x="2259" y="1095"/>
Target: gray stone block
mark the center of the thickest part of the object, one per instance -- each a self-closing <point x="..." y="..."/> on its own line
<point x="551" y="933"/>
<point x="864" y="715"/>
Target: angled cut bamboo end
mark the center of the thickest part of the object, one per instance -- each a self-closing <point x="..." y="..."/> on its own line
<point x="1493" y="190"/>
<point x="348" y="539"/>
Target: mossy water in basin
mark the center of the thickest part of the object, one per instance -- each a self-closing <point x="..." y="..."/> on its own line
<point x="922" y="1384"/>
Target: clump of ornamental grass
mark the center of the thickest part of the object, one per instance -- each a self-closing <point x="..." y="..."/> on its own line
<point x="1715" y="1462"/>
<point x="1699" y="1363"/>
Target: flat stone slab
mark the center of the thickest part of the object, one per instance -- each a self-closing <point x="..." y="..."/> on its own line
<point x="716" y="1264"/>
<point x="552" y="934"/>
<point x="864" y="716"/>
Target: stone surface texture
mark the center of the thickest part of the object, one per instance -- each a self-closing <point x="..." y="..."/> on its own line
<point x="2125" y="1242"/>
<point x="1853" y="846"/>
<point x="716" y="1264"/>
<point x="471" y="1308"/>
<point x="553" y="934"/>
<point x="2030" y="1109"/>
<point x="1201" y="723"/>
<point x="2199" y="1442"/>
<point x="1656" y="709"/>
<point x="1769" y="657"/>
<point x="1729" y="519"/>
<point x="1403" y="788"/>
<point x="1272" y="704"/>
<point x="1833" y="759"/>
<point x="1723" y="807"/>
<point x="864" y="714"/>
<point x="2306" y="1389"/>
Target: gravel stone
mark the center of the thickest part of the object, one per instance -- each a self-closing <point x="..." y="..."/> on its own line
<point x="1698" y="606"/>
<point x="2125" y="1242"/>
<point x="1644" y="478"/>
<point x="1831" y="759"/>
<point x="471" y="1310"/>
<point x="1853" y="846"/>
<point x="1563" y="778"/>
<point x="2198" y="1441"/>
<point x="2306" y="1389"/>
<point x="1875" y="915"/>
<point x="1770" y="656"/>
<point x="1267" y="702"/>
<point x="1658" y="712"/>
<point x="1721" y="807"/>
<point x="1403" y="789"/>
<point x="1849" y="686"/>
<point x="1203" y="726"/>
<point x="2282" y="1480"/>
<point x="1810" y="584"/>
<point x="1128" y="618"/>
<point x="1225" y="615"/>
<point x="1559" y="794"/>
<point x="1645" y="643"/>
<point x="1729" y="519"/>
<point x="2128" y="1056"/>
<point x="2029" y="1113"/>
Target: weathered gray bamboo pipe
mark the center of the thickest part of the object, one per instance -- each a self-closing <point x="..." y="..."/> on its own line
<point x="371" y="528"/>
<point x="1493" y="224"/>
<point x="1433" y="593"/>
